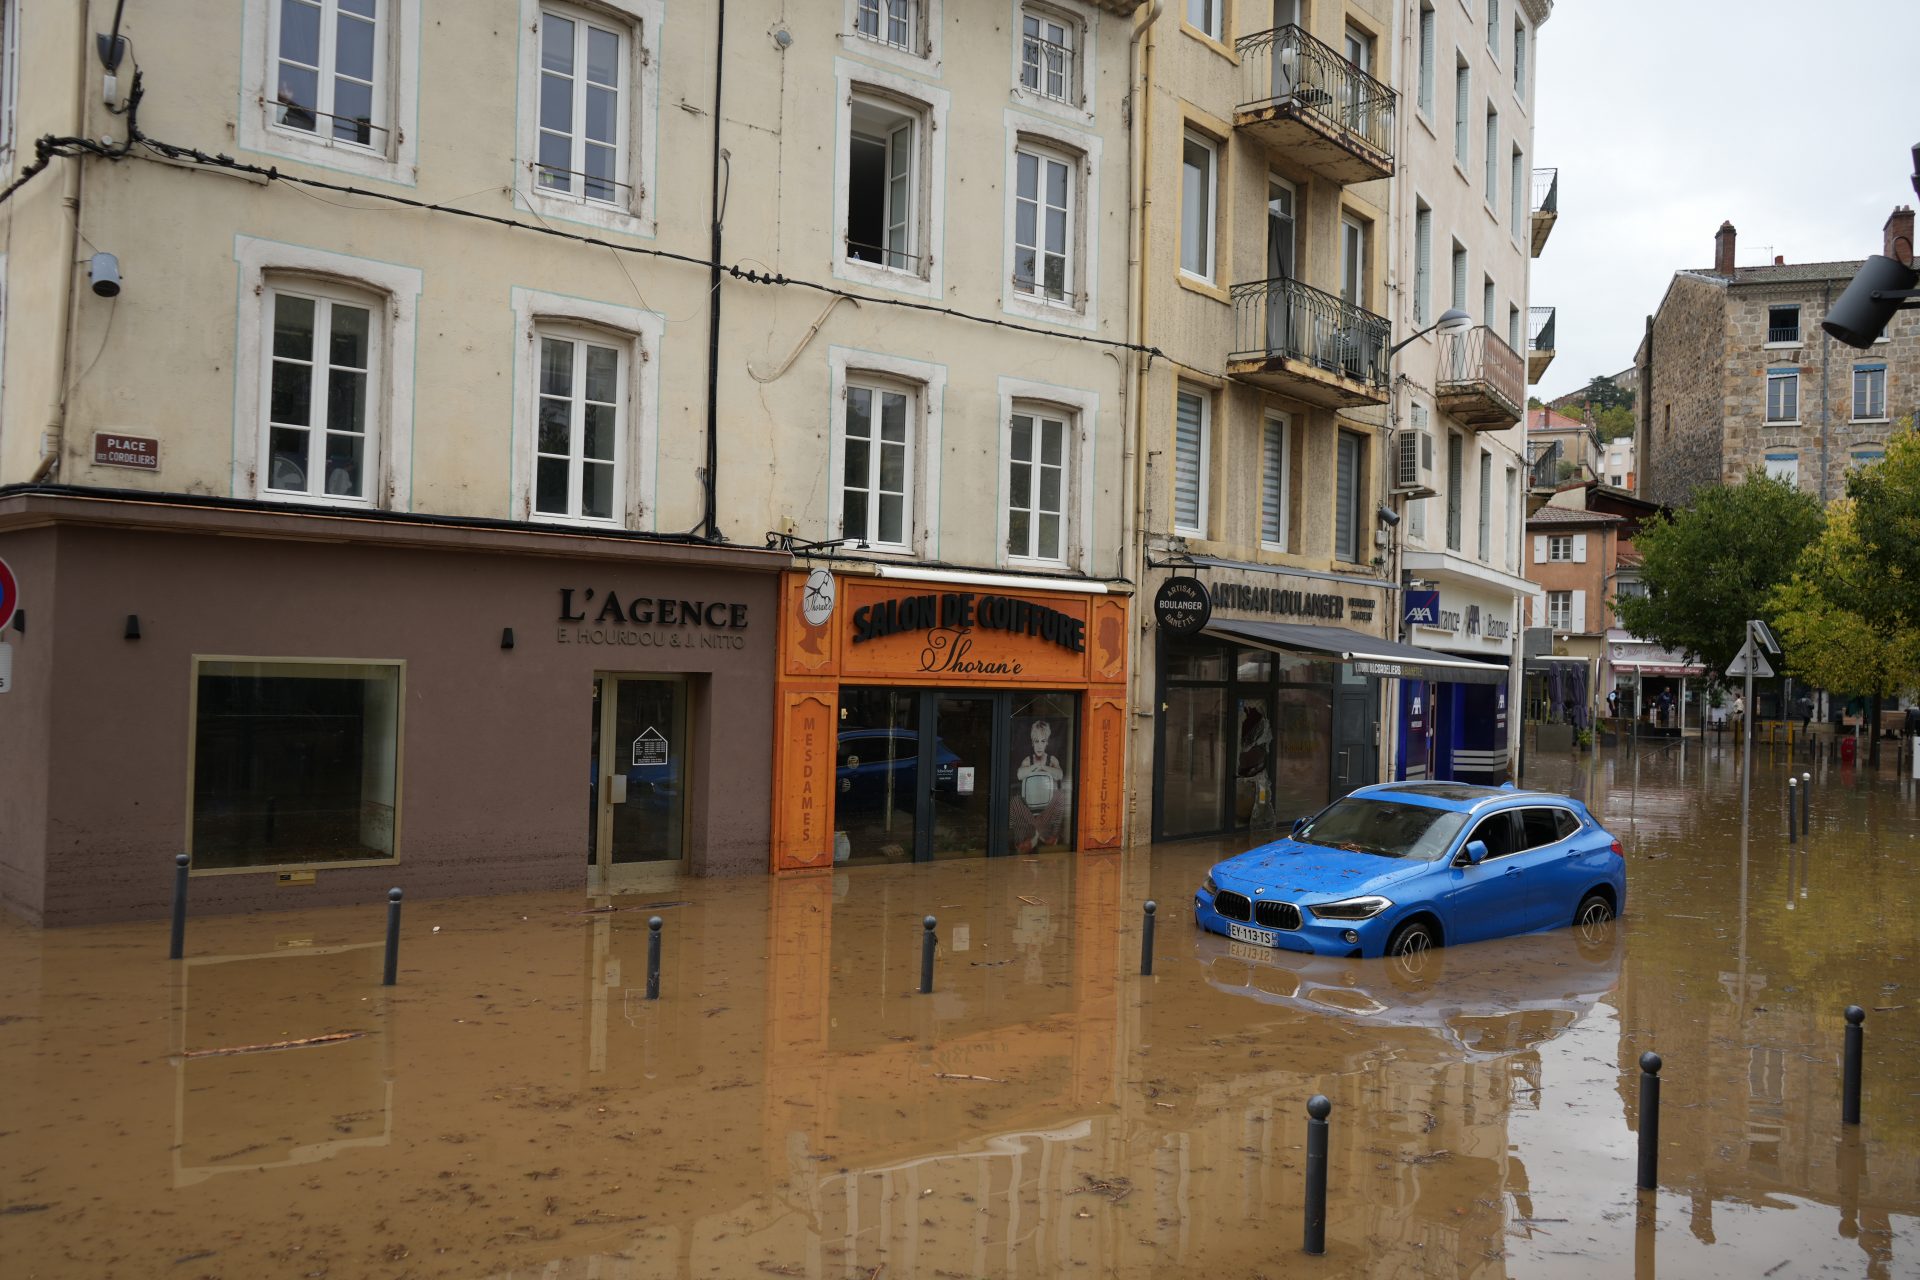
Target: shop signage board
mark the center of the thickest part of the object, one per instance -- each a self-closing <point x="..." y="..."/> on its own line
<point x="1392" y="669"/>
<point x="1423" y="608"/>
<point x="139" y="453"/>
<point x="1183" y="605"/>
<point x="600" y="616"/>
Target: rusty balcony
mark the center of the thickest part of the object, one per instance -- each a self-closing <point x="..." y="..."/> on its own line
<point x="1299" y="96"/>
<point x="1539" y="341"/>
<point x="1481" y="381"/>
<point x="1546" y="206"/>
<point x="1296" y="341"/>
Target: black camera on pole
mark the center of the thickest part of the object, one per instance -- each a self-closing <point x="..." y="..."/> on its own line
<point x="1882" y="286"/>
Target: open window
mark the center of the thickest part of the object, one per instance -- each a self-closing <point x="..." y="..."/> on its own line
<point x="883" y="186"/>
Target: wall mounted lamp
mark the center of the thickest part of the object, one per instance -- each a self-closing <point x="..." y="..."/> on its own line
<point x="506" y="637"/>
<point x="133" y="627"/>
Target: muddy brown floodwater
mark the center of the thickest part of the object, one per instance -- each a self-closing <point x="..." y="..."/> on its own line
<point x="791" y="1106"/>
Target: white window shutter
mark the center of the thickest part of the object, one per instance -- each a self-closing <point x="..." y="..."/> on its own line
<point x="1538" y="606"/>
<point x="1579" y="548"/>
<point x="1539" y="548"/>
<point x="1579" y="611"/>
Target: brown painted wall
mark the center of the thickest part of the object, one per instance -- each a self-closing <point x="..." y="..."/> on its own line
<point x="495" y="743"/>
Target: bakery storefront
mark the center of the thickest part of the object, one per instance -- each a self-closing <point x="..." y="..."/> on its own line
<point x="938" y="715"/>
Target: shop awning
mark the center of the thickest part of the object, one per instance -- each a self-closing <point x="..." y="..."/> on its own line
<point x="1370" y="654"/>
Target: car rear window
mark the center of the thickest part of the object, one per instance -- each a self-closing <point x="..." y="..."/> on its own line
<point x="1384" y="827"/>
<point x="1567" y="822"/>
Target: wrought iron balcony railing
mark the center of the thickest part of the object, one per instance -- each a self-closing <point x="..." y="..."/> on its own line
<point x="1481" y="380"/>
<point x="1284" y="319"/>
<point x="1546" y="191"/>
<point x="1286" y="66"/>
<point x="1540" y="328"/>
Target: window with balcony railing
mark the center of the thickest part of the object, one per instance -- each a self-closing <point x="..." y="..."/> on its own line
<point x="1783" y="323"/>
<point x="1289" y="320"/>
<point x="1288" y="66"/>
<point x="1047" y="56"/>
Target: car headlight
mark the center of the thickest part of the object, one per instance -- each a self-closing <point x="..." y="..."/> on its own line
<point x="1351" y="908"/>
<point x="1208" y="887"/>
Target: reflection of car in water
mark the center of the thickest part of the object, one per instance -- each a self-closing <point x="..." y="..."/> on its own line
<point x="1501" y="998"/>
<point x="873" y="762"/>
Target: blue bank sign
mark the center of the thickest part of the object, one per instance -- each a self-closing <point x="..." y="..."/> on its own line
<point x="1423" y="608"/>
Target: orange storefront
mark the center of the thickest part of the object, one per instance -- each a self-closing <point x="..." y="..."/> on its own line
<point x="922" y="719"/>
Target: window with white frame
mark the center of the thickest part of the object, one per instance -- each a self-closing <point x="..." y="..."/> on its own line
<point x="1513" y="518"/>
<point x="1462" y="102"/>
<point x="1784" y="467"/>
<point x="1493" y="28"/>
<point x="1456" y="486"/>
<point x="883" y="173"/>
<point x="1417" y="507"/>
<point x="1353" y="259"/>
<point x="1200" y="164"/>
<point x="1349" y="495"/>
<point x="1273" y="483"/>
<point x="897" y="24"/>
<point x="1193" y="415"/>
<point x="1044" y="218"/>
<point x="1517" y="195"/>
<point x="330" y="70"/>
<point x="1487" y="301"/>
<point x="1783" y="323"/>
<point x="1869" y="392"/>
<point x="1039" y="452"/>
<point x="1783" y="395"/>
<point x="585" y="100"/>
<point x="1513" y="328"/>
<point x="1560" y="610"/>
<point x="321" y="420"/>
<point x="1486" y="505"/>
<point x="1459" y="302"/>
<point x="1493" y="158"/>
<point x="1204" y="16"/>
<point x="876" y="490"/>
<point x="1427" y="25"/>
<point x="1520" y="60"/>
<point x="1868" y="456"/>
<point x="1048" y="63"/>
<point x="1422" y="264"/>
<point x="580" y="444"/>
<point x="1560" y="547"/>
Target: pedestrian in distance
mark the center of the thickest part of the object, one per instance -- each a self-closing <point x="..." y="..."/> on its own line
<point x="1739" y="711"/>
<point x="1613" y="703"/>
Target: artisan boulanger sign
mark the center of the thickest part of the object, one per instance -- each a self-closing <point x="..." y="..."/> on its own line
<point x="649" y="621"/>
<point x="964" y="611"/>
<point x="1183" y="606"/>
<point x="1285" y="602"/>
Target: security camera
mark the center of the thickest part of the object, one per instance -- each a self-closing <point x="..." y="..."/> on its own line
<point x="1867" y="305"/>
<point x="1388" y="516"/>
<point x="103" y="273"/>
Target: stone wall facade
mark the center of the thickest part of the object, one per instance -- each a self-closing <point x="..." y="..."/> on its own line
<point x="1682" y="365"/>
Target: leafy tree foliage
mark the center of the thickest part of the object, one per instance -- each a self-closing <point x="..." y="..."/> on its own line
<point x="1826" y="617"/>
<point x="1613" y="421"/>
<point x="1715" y="564"/>
<point x="1604" y="393"/>
<point x="1886" y="498"/>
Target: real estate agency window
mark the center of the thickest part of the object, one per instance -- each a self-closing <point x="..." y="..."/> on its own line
<point x="877" y="464"/>
<point x="883" y="172"/>
<point x="1044" y="211"/>
<point x="1869" y="392"/>
<point x="1783" y="395"/>
<point x="1560" y="610"/>
<point x="320" y="417"/>
<point x="580" y="446"/>
<point x="1039" y="447"/>
<point x="330" y="70"/>
<point x="294" y="763"/>
<point x="1560" y="546"/>
<point x="584" y="104"/>
<point x="1048" y="41"/>
<point x="898" y="24"/>
<point x="1349" y="496"/>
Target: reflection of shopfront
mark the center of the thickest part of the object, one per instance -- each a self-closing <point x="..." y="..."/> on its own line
<point x="1455" y="718"/>
<point x="928" y="720"/>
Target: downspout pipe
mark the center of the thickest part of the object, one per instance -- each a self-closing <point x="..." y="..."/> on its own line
<point x="53" y="443"/>
<point x="1139" y="206"/>
<point x="710" y="519"/>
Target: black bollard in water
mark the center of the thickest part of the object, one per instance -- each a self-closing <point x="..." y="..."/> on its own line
<point x="1850" y="1077"/>
<point x="927" y="944"/>
<point x="1318" y="1109"/>
<point x="1146" y="939"/>
<point x="653" y="956"/>
<point x="1649" y="1122"/>
<point x="1793" y="788"/>
<point x="1806" y="800"/>
<point x="178" y="946"/>
<point x="393" y="938"/>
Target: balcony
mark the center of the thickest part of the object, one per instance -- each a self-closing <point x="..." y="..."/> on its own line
<point x="1299" y="96"/>
<point x="1480" y="384"/>
<point x="1546" y="206"/>
<point x="1299" y="342"/>
<point x="1539" y="341"/>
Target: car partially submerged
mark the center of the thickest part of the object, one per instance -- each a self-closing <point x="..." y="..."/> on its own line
<point x="1398" y="868"/>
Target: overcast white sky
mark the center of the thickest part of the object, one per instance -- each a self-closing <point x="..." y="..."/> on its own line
<point x="1791" y="120"/>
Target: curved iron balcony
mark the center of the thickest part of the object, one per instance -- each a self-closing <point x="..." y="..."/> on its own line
<point x="1300" y="96"/>
<point x="1481" y="381"/>
<point x="1540" y="350"/>
<point x="1546" y="206"/>
<point x="1292" y="338"/>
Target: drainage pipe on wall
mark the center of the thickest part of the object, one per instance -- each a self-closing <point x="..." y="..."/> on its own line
<point x="709" y="519"/>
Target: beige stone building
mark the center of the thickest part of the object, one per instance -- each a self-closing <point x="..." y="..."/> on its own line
<point x="1736" y="375"/>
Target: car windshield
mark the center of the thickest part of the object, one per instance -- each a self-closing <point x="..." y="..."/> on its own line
<point x="1384" y="827"/>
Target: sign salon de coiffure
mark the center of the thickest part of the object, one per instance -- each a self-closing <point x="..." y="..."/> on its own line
<point x="652" y="622"/>
<point x="950" y="620"/>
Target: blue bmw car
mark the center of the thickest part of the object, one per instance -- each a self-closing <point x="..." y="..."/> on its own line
<point x="1397" y="868"/>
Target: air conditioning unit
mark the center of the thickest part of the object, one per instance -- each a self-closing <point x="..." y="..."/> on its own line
<point x="1413" y="464"/>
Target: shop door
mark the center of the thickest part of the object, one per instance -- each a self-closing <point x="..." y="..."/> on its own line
<point x="963" y="776"/>
<point x="637" y="837"/>
<point x="1355" y="714"/>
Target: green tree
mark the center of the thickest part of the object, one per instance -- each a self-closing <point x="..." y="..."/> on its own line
<point x="1713" y="565"/>
<point x="1613" y="421"/>
<point x="1829" y="619"/>
<point x="1604" y="393"/>
<point x="1887" y="514"/>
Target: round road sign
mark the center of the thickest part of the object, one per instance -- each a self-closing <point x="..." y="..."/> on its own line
<point x="9" y="594"/>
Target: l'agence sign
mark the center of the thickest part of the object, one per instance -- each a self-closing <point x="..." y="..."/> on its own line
<point x="660" y="622"/>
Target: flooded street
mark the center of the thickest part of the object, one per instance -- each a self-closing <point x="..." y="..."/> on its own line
<point x="791" y="1106"/>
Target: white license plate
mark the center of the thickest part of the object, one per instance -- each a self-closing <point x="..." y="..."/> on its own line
<point x="1247" y="933"/>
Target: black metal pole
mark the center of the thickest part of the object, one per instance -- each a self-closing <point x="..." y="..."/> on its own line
<point x="1806" y="800"/>
<point x="1850" y="1086"/>
<point x="653" y="957"/>
<point x="1146" y="939"/>
<point x="927" y="944"/>
<point x="1318" y="1108"/>
<point x="393" y="938"/>
<point x="1649" y="1122"/>
<point x="177" y="947"/>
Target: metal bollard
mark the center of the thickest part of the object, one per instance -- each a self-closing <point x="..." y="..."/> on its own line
<point x="178" y="946"/>
<point x="1793" y="787"/>
<point x="393" y="938"/>
<point x="1649" y="1122"/>
<point x="1318" y="1109"/>
<point x="1146" y="939"/>
<point x="927" y="944"/>
<point x="653" y="957"/>
<point x="1806" y="800"/>
<point x="1850" y="1077"/>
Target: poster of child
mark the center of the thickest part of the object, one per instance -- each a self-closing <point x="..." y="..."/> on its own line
<point x="1041" y="810"/>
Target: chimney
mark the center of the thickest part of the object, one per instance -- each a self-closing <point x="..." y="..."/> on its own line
<point x="1897" y="239"/>
<point x="1723" y="249"/>
<point x="1779" y="260"/>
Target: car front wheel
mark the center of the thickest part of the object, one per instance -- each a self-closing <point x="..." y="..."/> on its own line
<point x="1414" y="938"/>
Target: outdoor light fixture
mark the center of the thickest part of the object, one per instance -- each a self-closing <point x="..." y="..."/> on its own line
<point x="103" y="273"/>
<point x="506" y="637"/>
<point x="133" y="626"/>
<point x="1452" y="321"/>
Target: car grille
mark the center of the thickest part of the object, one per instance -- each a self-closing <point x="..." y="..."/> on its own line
<point x="1234" y="906"/>
<point x="1276" y="915"/>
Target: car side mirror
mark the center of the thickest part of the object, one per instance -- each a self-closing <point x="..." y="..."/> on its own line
<point x="1474" y="854"/>
<point x="1298" y="823"/>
